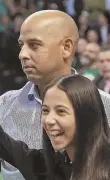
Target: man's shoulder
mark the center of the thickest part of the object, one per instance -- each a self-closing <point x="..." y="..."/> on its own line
<point x="13" y="94"/>
<point x="104" y="95"/>
<point x="106" y="102"/>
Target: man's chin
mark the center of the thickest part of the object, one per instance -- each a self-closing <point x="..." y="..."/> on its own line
<point x="32" y="78"/>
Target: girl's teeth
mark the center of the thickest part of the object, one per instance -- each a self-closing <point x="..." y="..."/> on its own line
<point x="56" y="133"/>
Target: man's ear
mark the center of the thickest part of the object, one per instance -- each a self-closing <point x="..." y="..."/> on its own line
<point x="67" y="48"/>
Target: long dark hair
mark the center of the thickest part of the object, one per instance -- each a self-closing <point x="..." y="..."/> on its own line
<point x="92" y="156"/>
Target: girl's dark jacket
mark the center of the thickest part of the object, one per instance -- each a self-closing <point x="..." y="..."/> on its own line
<point x="30" y="162"/>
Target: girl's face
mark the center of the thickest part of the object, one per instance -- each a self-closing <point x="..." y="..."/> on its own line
<point x="58" y="118"/>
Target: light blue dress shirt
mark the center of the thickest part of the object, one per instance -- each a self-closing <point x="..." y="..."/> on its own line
<point x="20" y="112"/>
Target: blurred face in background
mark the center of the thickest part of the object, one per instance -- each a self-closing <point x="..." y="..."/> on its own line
<point x="52" y="6"/>
<point x="102" y="20"/>
<point x="83" y="23"/>
<point x="92" y="36"/>
<point x="104" y="64"/>
<point x="91" y="53"/>
<point x="84" y="18"/>
<point x="5" y="19"/>
<point x="82" y="43"/>
<point x="18" y="20"/>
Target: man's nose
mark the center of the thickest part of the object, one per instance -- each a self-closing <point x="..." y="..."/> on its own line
<point x="24" y="53"/>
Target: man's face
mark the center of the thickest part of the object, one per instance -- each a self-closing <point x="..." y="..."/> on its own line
<point x="40" y="53"/>
<point x="102" y="19"/>
<point x="18" y="22"/>
<point x="104" y="64"/>
<point x="82" y="43"/>
<point x="91" y="53"/>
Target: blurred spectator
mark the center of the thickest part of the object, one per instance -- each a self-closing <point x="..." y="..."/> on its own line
<point x="17" y="22"/>
<point x="90" y="58"/>
<point x="70" y="7"/>
<point x="3" y="7"/>
<point x="11" y="36"/>
<point x="83" y="23"/>
<point x="4" y="22"/>
<point x="74" y="8"/>
<point x="103" y="80"/>
<point x="82" y="43"/>
<point x="93" y="35"/>
<point x="14" y="6"/>
<point x="77" y="64"/>
<point x="104" y="23"/>
<point x="40" y="5"/>
<point x="9" y="50"/>
<point x="107" y="4"/>
<point x="56" y="5"/>
<point x="79" y="7"/>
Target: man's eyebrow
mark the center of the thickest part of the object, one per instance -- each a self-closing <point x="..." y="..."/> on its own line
<point x="32" y="40"/>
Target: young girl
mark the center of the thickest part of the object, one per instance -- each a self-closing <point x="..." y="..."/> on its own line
<point x="76" y="136"/>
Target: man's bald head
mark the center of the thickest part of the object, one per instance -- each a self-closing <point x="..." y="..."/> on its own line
<point x="48" y="42"/>
<point x="54" y="23"/>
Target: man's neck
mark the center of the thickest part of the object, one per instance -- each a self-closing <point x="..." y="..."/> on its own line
<point x="43" y="83"/>
<point x="93" y="66"/>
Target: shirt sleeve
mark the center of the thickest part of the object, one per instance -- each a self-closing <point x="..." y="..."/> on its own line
<point x="6" y="101"/>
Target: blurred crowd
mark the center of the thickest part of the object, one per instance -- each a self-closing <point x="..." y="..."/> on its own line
<point x="92" y="58"/>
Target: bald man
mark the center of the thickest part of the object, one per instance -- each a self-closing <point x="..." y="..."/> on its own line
<point x="48" y="41"/>
<point x="90" y="57"/>
<point x="47" y="46"/>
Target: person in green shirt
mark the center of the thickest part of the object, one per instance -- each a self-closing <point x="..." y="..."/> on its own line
<point x="90" y="58"/>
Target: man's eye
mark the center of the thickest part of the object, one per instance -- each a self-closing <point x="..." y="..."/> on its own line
<point x="34" y="45"/>
<point x="20" y="45"/>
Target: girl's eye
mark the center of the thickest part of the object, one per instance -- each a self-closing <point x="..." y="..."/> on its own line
<point x="45" y="111"/>
<point x="34" y="45"/>
<point x="61" y="112"/>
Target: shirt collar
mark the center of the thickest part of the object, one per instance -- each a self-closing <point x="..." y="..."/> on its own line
<point x="73" y="71"/>
<point x="33" y="92"/>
